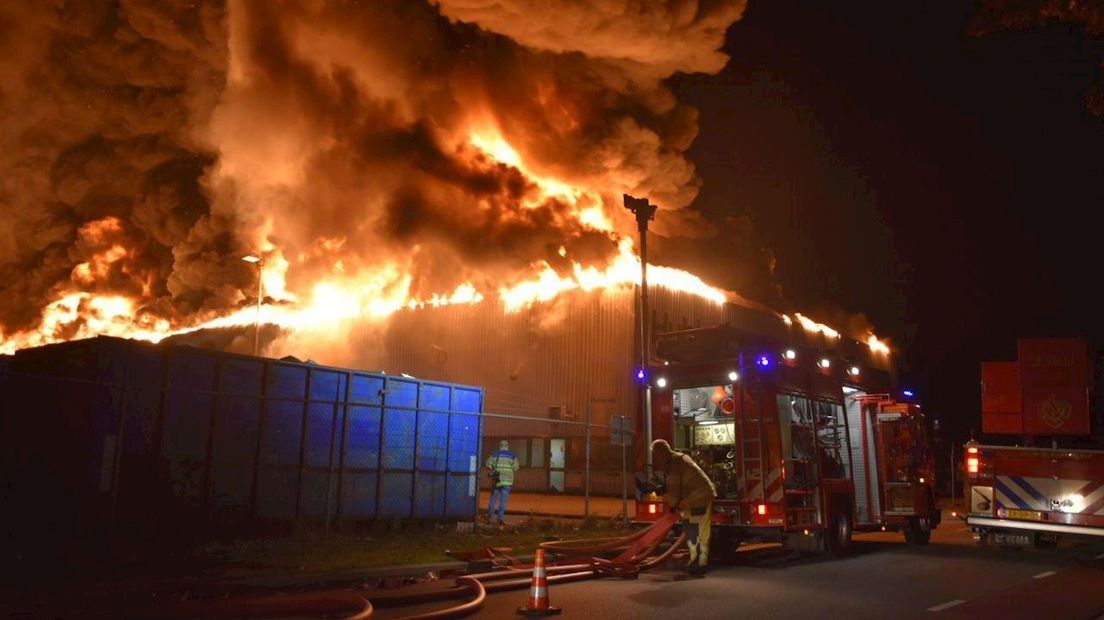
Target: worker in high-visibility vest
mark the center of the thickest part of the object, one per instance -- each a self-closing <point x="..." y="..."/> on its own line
<point x="689" y="491"/>
<point x="502" y="464"/>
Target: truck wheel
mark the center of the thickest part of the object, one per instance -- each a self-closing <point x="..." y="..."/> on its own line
<point x="918" y="531"/>
<point x="837" y="536"/>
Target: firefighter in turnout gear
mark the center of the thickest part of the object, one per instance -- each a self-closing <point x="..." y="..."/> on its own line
<point x="689" y="491"/>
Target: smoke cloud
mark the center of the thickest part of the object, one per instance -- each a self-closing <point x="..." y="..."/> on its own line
<point x="148" y="145"/>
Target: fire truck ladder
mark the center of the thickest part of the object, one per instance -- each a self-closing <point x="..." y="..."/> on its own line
<point x="752" y="459"/>
<point x="802" y="504"/>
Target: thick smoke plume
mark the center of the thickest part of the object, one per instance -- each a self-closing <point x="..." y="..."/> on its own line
<point x="997" y="15"/>
<point x="148" y="145"/>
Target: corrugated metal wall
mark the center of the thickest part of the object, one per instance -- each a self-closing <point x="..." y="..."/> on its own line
<point x="550" y="355"/>
<point x="580" y="346"/>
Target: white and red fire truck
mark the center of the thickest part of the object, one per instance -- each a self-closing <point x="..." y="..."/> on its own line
<point x="804" y="446"/>
<point x="1026" y="495"/>
<point x="1022" y="496"/>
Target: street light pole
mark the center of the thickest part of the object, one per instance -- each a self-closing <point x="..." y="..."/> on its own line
<point x="258" y="263"/>
<point x="645" y="212"/>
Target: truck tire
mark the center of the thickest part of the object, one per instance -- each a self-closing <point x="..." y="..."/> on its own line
<point x="837" y="536"/>
<point x="918" y="531"/>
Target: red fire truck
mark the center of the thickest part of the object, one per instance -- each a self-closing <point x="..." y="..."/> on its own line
<point x="1034" y="496"/>
<point x="804" y="446"/>
<point x="1022" y="496"/>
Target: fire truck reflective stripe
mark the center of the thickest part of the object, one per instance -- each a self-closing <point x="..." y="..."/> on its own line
<point x="774" y="488"/>
<point x="1091" y="492"/>
<point x="1006" y="497"/>
<point x="1095" y="508"/>
<point x="1037" y="493"/>
<point x="774" y="485"/>
<point x="1090" y="487"/>
<point x="1032" y="491"/>
<point x="1048" y="494"/>
<point x="1093" y="497"/>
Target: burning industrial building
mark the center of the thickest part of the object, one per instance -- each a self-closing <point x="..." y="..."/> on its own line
<point x="430" y="188"/>
<point x="374" y="155"/>
<point x="423" y="188"/>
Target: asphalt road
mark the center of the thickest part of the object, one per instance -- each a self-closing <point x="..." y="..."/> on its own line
<point x="885" y="578"/>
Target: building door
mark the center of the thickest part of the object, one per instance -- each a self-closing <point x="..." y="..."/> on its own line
<point x="556" y="455"/>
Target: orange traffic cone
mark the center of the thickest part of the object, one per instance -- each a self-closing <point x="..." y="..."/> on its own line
<point x="538" y="592"/>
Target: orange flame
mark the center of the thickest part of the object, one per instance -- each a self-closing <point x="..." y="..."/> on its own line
<point x="624" y="270"/>
<point x="876" y="345"/>
<point x="817" y="328"/>
<point x="365" y="295"/>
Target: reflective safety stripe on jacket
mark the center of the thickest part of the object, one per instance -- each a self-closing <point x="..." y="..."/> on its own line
<point x="506" y="463"/>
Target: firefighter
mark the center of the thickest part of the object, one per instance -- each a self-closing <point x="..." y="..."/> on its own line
<point x="691" y="492"/>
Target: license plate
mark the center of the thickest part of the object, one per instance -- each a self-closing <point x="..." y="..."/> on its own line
<point x="1029" y="515"/>
<point x="1013" y="539"/>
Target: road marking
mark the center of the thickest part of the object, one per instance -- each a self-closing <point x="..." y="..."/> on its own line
<point x="947" y="605"/>
<point x="1099" y="557"/>
<point x="1044" y="575"/>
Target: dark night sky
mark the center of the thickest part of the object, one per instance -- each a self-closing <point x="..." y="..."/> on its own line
<point x="946" y="186"/>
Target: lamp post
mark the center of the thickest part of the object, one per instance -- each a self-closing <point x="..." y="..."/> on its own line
<point x="645" y="212"/>
<point x="257" y="262"/>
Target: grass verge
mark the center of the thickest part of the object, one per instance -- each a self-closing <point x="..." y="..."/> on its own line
<point x="388" y="544"/>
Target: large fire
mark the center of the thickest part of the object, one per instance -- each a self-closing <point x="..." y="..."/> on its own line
<point x="376" y="157"/>
<point x="374" y="296"/>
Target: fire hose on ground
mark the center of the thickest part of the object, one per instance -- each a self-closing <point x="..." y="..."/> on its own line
<point x="577" y="560"/>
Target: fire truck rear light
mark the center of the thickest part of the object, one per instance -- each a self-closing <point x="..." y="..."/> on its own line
<point x="651" y="509"/>
<point x="762" y="508"/>
<point x="972" y="464"/>
<point x="971" y="450"/>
